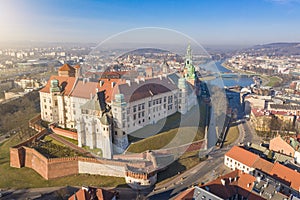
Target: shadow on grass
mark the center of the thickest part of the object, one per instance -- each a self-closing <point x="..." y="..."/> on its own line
<point x="173" y="121"/>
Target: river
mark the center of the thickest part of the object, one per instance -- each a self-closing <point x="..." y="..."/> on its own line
<point x="241" y="81"/>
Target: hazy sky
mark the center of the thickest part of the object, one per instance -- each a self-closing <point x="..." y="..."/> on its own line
<point x="216" y="22"/>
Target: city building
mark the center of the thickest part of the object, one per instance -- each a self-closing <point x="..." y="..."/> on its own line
<point x="285" y="180"/>
<point x="288" y="146"/>
<point x="88" y="193"/>
<point x="235" y="185"/>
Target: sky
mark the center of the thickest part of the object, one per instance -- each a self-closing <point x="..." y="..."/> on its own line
<point x="210" y="22"/>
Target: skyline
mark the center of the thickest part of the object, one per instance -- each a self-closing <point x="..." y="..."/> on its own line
<point x="209" y="22"/>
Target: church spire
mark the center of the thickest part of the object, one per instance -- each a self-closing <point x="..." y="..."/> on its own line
<point x="189" y="52"/>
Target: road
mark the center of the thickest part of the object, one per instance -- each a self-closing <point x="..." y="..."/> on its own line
<point x="206" y="170"/>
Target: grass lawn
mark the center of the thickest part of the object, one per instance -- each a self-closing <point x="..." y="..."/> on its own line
<point x="96" y="151"/>
<point x="28" y="178"/>
<point x="68" y="139"/>
<point x="273" y="81"/>
<point x="174" y="131"/>
<point x="172" y="138"/>
<point x="185" y="162"/>
<point x="232" y="135"/>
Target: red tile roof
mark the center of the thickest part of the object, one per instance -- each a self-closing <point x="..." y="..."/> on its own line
<point x="66" y="67"/>
<point x="186" y="195"/>
<point x="289" y="176"/>
<point x="263" y="165"/>
<point x="65" y="83"/>
<point x="277" y="170"/>
<point x="86" y="89"/>
<point x="242" y="155"/>
<point x="241" y="183"/>
<point x="87" y="194"/>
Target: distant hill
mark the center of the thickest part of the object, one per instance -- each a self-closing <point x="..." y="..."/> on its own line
<point x="281" y="48"/>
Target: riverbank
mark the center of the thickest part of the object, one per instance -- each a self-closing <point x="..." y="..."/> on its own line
<point x="266" y="81"/>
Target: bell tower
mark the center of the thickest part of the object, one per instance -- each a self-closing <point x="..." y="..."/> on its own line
<point x="188" y="65"/>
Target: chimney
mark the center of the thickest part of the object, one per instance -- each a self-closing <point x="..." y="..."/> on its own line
<point x="101" y="83"/>
<point x="113" y="84"/>
<point x="230" y="179"/>
<point x="248" y="185"/>
<point x="160" y="77"/>
<point x="223" y="182"/>
<point x="258" y="179"/>
<point x="128" y="82"/>
<point x="137" y="80"/>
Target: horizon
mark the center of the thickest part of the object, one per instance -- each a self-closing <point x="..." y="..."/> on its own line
<point x="211" y="23"/>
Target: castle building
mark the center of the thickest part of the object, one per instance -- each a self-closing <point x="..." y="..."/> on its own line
<point x="105" y="112"/>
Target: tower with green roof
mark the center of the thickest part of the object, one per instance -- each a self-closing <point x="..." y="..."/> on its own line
<point x="188" y="65"/>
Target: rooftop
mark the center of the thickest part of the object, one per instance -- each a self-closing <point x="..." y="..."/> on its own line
<point x="242" y="155"/>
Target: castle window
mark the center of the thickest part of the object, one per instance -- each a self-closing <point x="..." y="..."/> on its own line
<point x="165" y="99"/>
<point x="134" y="108"/>
<point x="103" y="129"/>
<point x="116" y="133"/>
<point x="149" y="104"/>
<point x="123" y="132"/>
<point x="143" y="120"/>
<point x="44" y="100"/>
<point x="139" y="121"/>
<point x="139" y="107"/>
<point x="134" y="117"/>
<point x="143" y="106"/>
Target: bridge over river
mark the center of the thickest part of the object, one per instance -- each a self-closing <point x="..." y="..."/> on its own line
<point x="233" y="75"/>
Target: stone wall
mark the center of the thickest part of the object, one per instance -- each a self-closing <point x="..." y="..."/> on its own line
<point x="101" y="167"/>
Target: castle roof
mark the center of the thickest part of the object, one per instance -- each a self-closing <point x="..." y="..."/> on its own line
<point x="65" y="83"/>
<point x="66" y="67"/>
<point x="87" y="89"/>
<point x="146" y="88"/>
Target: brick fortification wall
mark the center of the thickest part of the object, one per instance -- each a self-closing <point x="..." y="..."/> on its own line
<point x="65" y="133"/>
<point x="59" y="167"/>
<point x="36" y="161"/>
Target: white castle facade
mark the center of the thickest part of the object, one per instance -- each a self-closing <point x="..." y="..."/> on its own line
<point x="105" y="112"/>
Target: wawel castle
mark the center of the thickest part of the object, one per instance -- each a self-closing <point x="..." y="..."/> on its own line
<point x="105" y="111"/>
